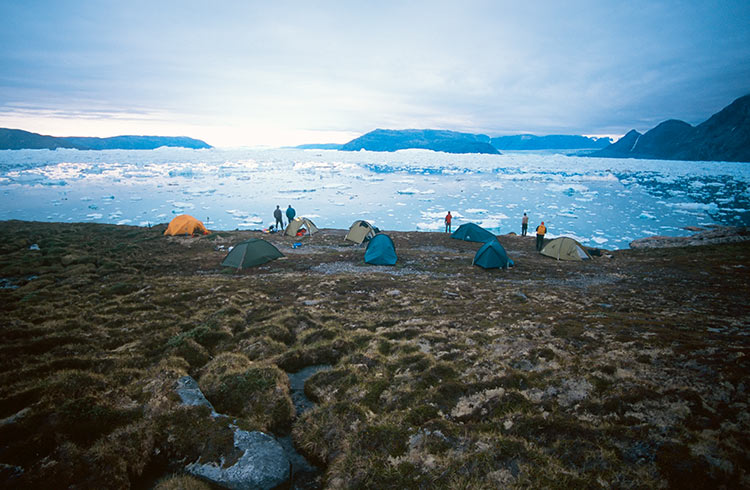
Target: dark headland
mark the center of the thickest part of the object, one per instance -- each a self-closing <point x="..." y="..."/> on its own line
<point x="628" y="370"/>
<point x="457" y="142"/>
<point x="428" y="139"/>
<point x="725" y="136"/>
<point x="17" y="139"/>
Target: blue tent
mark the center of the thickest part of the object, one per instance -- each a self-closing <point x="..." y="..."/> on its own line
<point x="380" y="251"/>
<point x="473" y="233"/>
<point x="492" y="255"/>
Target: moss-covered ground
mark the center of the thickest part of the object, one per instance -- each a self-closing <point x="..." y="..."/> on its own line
<point x="628" y="370"/>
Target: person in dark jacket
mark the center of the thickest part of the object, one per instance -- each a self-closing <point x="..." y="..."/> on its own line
<point x="277" y="216"/>
<point x="290" y="213"/>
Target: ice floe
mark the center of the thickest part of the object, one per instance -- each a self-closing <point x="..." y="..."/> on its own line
<point x="405" y="190"/>
<point x="413" y="190"/>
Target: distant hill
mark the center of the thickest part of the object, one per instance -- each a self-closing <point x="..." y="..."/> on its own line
<point x="137" y="142"/>
<point x="16" y="139"/>
<point x="320" y="146"/>
<point x="725" y="136"/>
<point x="428" y="139"/>
<point x="550" y="142"/>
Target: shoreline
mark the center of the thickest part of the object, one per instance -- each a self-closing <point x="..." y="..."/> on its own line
<point x="706" y="235"/>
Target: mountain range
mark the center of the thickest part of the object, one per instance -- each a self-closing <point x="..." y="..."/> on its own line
<point x="549" y="142"/>
<point x="725" y="136"/>
<point x="17" y="139"/>
<point x="428" y="139"/>
<point x="456" y="142"/>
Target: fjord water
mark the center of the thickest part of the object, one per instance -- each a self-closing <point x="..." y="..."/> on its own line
<point x="601" y="202"/>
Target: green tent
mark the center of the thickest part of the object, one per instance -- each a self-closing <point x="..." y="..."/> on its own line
<point x="492" y="255"/>
<point x="297" y="223"/>
<point x="360" y="231"/>
<point x="380" y="251"/>
<point x="565" y="248"/>
<point x="250" y="253"/>
<point x="472" y="232"/>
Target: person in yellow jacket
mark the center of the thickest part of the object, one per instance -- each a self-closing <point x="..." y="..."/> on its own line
<point x="540" y="231"/>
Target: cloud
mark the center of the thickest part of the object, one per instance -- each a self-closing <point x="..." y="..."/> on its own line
<point x="492" y="67"/>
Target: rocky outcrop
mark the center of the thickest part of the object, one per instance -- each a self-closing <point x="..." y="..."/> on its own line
<point x="263" y="463"/>
<point x="716" y="235"/>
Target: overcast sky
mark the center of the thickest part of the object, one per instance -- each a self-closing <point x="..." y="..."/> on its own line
<point x="289" y="72"/>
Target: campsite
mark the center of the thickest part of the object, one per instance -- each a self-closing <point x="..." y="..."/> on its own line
<point x="628" y="369"/>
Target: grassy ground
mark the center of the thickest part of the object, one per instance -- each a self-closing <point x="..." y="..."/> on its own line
<point x="629" y="370"/>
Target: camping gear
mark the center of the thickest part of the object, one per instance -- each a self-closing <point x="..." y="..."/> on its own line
<point x="297" y="223"/>
<point x="185" y="224"/>
<point x="471" y="232"/>
<point x="380" y="251"/>
<point x="360" y="231"/>
<point x="565" y="248"/>
<point x="250" y="253"/>
<point x="492" y="255"/>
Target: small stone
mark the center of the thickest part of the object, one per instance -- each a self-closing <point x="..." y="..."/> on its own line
<point x="191" y="394"/>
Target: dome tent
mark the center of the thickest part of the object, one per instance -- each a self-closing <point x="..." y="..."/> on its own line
<point x="185" y="224"/>
<point x="471" y="232"/>
<point x="565" y="248"/>
<point x="297" y="223"/>
<point x="250" y="253"/>
<point x="492" y="255"/>
<point x="381" y="251"/>
<point x="360" y="231"/>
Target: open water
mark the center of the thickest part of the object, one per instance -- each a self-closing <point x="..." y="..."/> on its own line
<point x="605" y="203"/>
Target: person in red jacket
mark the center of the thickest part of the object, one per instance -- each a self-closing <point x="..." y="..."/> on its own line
<point x="448" y="219"/>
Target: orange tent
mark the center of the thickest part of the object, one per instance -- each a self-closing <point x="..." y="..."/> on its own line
<point x="185" y="224"/>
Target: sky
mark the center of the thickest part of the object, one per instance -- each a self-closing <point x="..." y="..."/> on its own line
<point x="274" y="73"/>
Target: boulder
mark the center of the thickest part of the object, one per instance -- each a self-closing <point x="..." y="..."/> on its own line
<point x="263" y="464"/>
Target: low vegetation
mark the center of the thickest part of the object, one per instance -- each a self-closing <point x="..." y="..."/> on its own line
<point x="629" y="370"/>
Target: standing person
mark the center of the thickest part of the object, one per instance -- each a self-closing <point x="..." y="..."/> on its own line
<point x="540" y="231"/>
<point x="448" y="219"/>
<point x="524" y="224"/>
<point x="279" y="221"/>
<point x="290" y="213"/>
